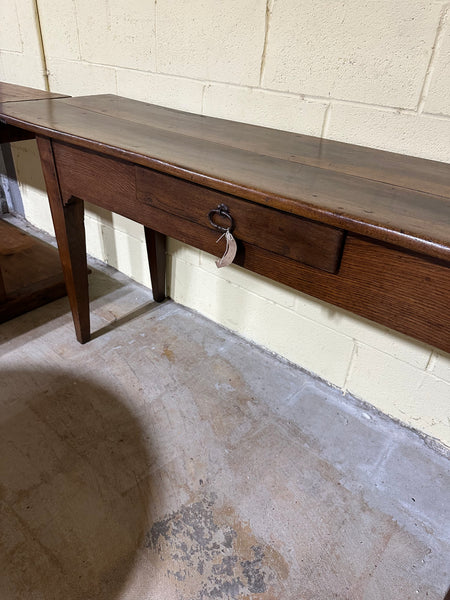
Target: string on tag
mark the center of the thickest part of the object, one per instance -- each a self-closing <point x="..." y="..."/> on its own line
<point x="230" y="250"/>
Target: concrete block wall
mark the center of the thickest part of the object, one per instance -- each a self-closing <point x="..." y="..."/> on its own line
<point x="375" y="73"/>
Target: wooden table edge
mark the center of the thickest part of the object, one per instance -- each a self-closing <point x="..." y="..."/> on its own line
<point x="435" y="249"/>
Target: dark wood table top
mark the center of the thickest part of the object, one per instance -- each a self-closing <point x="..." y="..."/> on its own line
<point x="10" y="92"/>
<point x="389" y="197"/>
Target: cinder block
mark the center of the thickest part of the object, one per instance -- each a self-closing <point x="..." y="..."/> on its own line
<point x="78" y="78"/>
<point x="180" y="251"/>
<point x="105" y="217"/>
<point x="127" y="226"/>
<point x="441" y="368"/>
<point x="118" y="249"/>
<point x="23" y="65"/>
<point x="117" y="33"/>
<point x="260" y="107"/>
<point x="28" y="164"/>
<point x="429" y="408"/>
<point x="375" y="52"/>
<point x="362" y="330"/>
<point x="218" y="41"/>
<point x="382" y="380"/>
<point x="11" y="37"/>
<point x="401" y="391"/>
<point x="438" y="100"/>
<point x="174" y="92"/>
<point x="127" y="254"/>
<point x="96" y="213"/>
<point x="59" y="29"/>
<point x="37" y="209"/>
<point x="20" y="32"/>
<point x="169" y="278"/>
<point x="182" y="279"/>
<point x="32" y="186"/>
<point x="259" y="285"/>
<point x="22" y="69"/>
<point x="386" y="340"/>
<point x="325" y="315"/>
<point x="423" y="136"/>
<point x="94" y="240"/>
<point x="300" y="340"/>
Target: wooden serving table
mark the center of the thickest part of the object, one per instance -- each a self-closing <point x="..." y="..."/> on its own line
<point x="30" y="271"/>
<point x="365" y="230"/>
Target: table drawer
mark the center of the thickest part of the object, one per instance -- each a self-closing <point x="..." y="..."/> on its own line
<point x="288" y="235"/>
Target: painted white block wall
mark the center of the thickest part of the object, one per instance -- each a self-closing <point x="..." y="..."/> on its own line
<point x="375" y="73"/>
<point x="21" y="52"/>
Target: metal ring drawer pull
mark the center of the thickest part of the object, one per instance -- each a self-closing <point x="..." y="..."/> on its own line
<point x="223" y="211"/>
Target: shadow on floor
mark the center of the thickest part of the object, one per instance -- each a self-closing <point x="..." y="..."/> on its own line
<point x="74" y="492"/>
<point x="134" y="314"/>
<point x="102" y="285"/>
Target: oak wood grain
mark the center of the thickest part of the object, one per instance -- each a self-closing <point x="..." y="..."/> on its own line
<point x="397" y="208"/>
<point x="30" y="272"/>
<point x="68" y="220"/>
<point x="396" y="288"/>
<point x="397" y="169"/>
<point x="307" y="241"/>
<point x="95" y="178"/>
<point x="301" y="239"/>
<point x="390" y="286"/>
<point x="11" y="92"/>
<point x="28" y="277"/>
<point x="399" y="289"/>
<point x="32" y="296"/>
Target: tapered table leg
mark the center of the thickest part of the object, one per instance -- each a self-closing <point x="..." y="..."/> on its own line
<point x="156" y="252"/>
<point x="68" y="221"/>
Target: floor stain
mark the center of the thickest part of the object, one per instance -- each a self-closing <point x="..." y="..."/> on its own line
<point x="231" y="562"/>
<point x="168" y="353"/>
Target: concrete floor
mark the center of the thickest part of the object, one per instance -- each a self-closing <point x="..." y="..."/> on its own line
<point x="170" y="459"/>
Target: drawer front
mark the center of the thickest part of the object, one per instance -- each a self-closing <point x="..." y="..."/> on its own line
<point x="299" y="239"/>
<point x="180" y="209"/>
